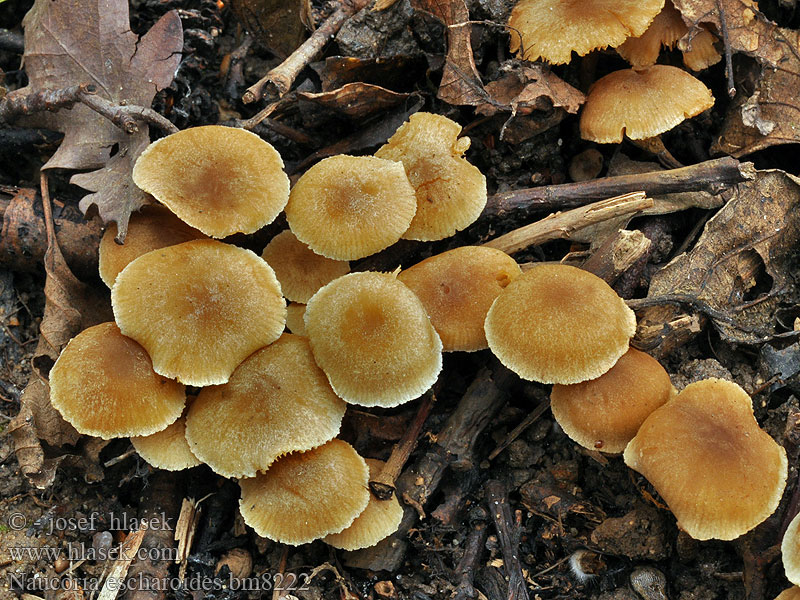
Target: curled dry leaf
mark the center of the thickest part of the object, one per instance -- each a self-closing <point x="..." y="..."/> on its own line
<point x="356" y="100"/>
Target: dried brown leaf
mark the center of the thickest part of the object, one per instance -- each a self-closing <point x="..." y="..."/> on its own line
<point x="528" y="89"/>
<point x="275" y="24"/>
<point x="356" y="100"/>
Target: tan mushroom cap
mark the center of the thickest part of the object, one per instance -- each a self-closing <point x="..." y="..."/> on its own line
<point x="605" y="413"/>
<point x="348" y="207"/>
<point x="371" y="336"/>
<point x="451" y="193"/>
<point x="793" y="593"/>
<point x="559" y="324"/>
<point x="790" y="551"/>
<point x="167" y="449"/>
<point x="277" y="401"/>
<point x="457" y="289"/>
<point x="701" y="53"/>
<point x="379" y="520"/>
<point x="553" y="29"/>
<point x="299" y="269"/>
<point x="307" y="495"/>
<point x="221" y="180"/>
<point x="641" y="103"/>
<point x="295" y="315"/>
<point x="720" y="474"/>
<point x="199" y="308"/>
<point x="666" y="29"/>
<point x="151" y="228"/>
<point x="103" y="383"/>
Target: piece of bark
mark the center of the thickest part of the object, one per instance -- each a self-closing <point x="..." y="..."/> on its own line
<point x="508" y="534"/>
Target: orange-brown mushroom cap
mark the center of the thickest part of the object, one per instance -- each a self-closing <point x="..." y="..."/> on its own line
<point x="277" y="401"/>
<point x="457" y="289"/>
<point x="703" y="451"/>
<point x="666" y="29"/>
<point x="103" y="383"/>
<point x="307" y="495"/>
<point x="167" y="449"/>
<point x="221" y="180"/>
<point x="380" y="519"/>
<point x="793" y="593"/>
<point x="149" y="229"/>
<point x="641" y="103"/>
<point x="605" y="413"/>
<point x="199" y="308"/>
<point x="700" y="53"/>
<point x="553" y="29"/>
<point x="372" y="337"/>
<point x="295" y="319"/>
<point x="300" y="270"/>
<point x="790" y="551"/>
<point x="348" y="207"/>
<point x="559" y="324"/>
<point x="451" y="193"/>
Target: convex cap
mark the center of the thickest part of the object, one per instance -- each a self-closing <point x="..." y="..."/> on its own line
<point x="167" y="449"/>
<point x="790" y="551"/>
<point x="199" y="308"/>
<point x="720" y="474"/>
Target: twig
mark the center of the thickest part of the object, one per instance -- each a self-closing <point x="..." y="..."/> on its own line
<point x="529" y="420"/>
<point x="726" y="43"/>
<point x="118" y="459"/>
<point x="235" y="76"/>
<point x="120" y="568"/>
<point x="126" y="117"/>
<point x="563" y="225"/>
<point x="618" y="254"/>
<point x="470" y="561"/>
<point x="282" y="77"/>
<point x="508" y="534"/>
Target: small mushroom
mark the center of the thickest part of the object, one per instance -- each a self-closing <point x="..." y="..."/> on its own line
<point x="104" y="385"/>
<point x="457" y="289"/>
<point x="700" y="52"/>
<point x="703" y="451"/>
<point x="167" y="449"/>
<point x="220" y="180"/>
<point x="199" y="308"/>
<point x="307" y="495"/>
<point x="295" y="315"/>
<point x="793" y="593"/>
<point x="790" y="550"/>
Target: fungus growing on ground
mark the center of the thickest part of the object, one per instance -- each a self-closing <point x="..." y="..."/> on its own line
<point x="451" y="193"/>
<point x="221" y="180"/>
<point x="793" y="593"/>
<point x="553" y="29"/>
<point x="605" y="413"/>
<point x="790" y="551"/>
<point x="295" y="315"/>
<point x="641" y="103"/>
<point x="103" y="384"/>
<point x="199" y="308"/>
<point x="380" y="519"/>
<point x="457" y="289"/>
<point x="666" y="29"/>
<point x="559" y="324"/>
<point x="700" y="53"/>
<point x="703" y="451"/>
<point x="277" y="401"/>
<point x="372" y="337"/>
<point x="348" y="207"/>
<point x="307" y="495"/>
<point x="167" y="449"/>
<point x="300" y="271"/>
<point x="151" y="228"/>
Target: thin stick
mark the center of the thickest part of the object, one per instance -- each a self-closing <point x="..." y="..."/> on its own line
<point x="529" y="420"/>
<point x="126" y="117"/>
<point x="508" y="536"/>
<point x="726" y="43"/>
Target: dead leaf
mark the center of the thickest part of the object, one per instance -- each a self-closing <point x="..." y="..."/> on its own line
<point x="275" y="24"/>
<point x="72" y="42"/>
<point x="356" y="100"/>
<point x="393" y="72"/>
<point x="528" y="89"/>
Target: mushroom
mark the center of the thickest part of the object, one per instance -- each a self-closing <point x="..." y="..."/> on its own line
<point x="605" y="413"/>
<point x="380" y="519"/>
<point x="104" y="385"/>
<point x="704" y="453"/>
<point x="151" y="228"/>
<point x="277" y="401"/>
<point x="553" y="29"/>
<point x="790" y="550"/>
<point x="666" y="29"/>
<point x="295" y="315"/>
<point x="559" y="324"/>
<point x="220" y="180"/>
<point x="641" y="103"/>
<point x="457" y="289"/>
<point x="451" y="193"/>
<point x="167" y="449"/>
<point x="793" y="593"/>
<point x="372" y="337"/>
<point x="300" y="271"/>
<point x="348" y="207"/>
<point x="699" y="52"/>
<point x="307" y="495"/>
<point x="199" y="308"/>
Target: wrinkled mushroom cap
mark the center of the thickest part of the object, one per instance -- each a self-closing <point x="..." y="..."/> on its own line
<point x="700" y="53"/>
<point x="299" y="269"/>
<point x="720" y="474"/>
<point x="553" y="29"/>
<point x="149" y="229"/>
<point x="451" y="193"/>
<point x="641" y="103"/>
<point x="790" y="551"/>
<point x="167" y="449"/>
<point x="295" y="315"/>
<point x="277" y="401"/>
<point x="605" y="413"/>
<point x="457" y="289"/>
<point x="199" y="308"/>
<point x="666" y="29"/>
<point x="793" y="593"/>
<point x="348" y="207"/>
<point x="559" y="324"/>
<point x="379" y="520"/>
<point x="103" y="383"/>
<point x="221" y="180"/>
<point x="371" y="336"/>
<point x="307" y="495"/>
